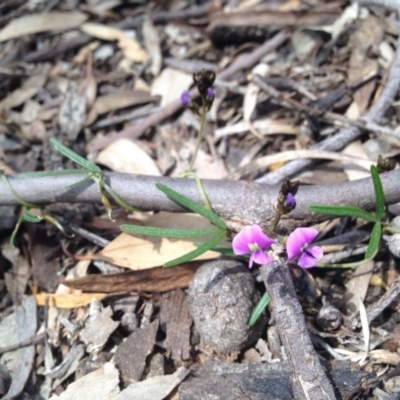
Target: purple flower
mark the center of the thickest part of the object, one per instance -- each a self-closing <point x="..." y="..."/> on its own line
<point x="251" y="239"/>
<point x="210" y="93"/>
<point x="290" y="202"/>
<point x="297" y="246"/>
<point x="185" y="98"/>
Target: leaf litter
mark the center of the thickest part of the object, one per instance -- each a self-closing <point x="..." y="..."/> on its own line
<point x="95" y="72"/>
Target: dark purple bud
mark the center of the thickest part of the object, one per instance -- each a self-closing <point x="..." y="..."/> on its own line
<point x="210" y="94"/>
<point x="290" y="202"/>
<point x="185" y="98"/>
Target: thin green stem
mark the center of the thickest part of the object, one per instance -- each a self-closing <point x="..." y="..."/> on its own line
<point x="275" y="221"/>
<point x="199" y="187"/>
<point x="15" y="194"/>
<point x="391" y="229"/>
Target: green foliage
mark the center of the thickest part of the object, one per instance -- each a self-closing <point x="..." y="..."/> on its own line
<point x="374" y="240"/>
<point x="380" y="206"/>
<point x="95" y="174"/>
<point x="259" y="309"/>
<point x="197" y="252"/>
<point x="218" y="233"/>
<point x="192" y="206"/>
<point x="357" y="212"/>
<point x="165" y="232"/>
<point x="344" y="211"/>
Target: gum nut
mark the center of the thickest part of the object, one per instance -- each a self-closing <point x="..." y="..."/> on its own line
<point x="222" y="297"/>
<point x="394" y="244"/>
<point x="329" y="318"/>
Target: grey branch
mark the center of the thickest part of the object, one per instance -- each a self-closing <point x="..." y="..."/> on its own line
<point x="238" y="202"/>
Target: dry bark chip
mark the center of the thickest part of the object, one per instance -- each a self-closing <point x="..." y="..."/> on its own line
<point x="99" y="384"/>
<point x="131" y="355"/>
<point x="26" y="328"/>
<point x="72" y="114"/>
<point x="265" y="381"/>
<point x="221" y="299"/>
<point x="97" y="331"/>
<point x="174" y="314"/>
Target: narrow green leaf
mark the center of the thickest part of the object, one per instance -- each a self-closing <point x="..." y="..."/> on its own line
<point x="62" y="172"/>
<point x="226" y="251"/>
<point x="379" y="194"/>
<point x="374" y="240"/>
<point x="166" y="232"/>
<point x="196" y="252"/>
<point x="260" y="307"/>
<point x="344" y="211"/>
<point x="192" y="205"/>
<point x="67" y="152"/>
<point x="80" y="183"/>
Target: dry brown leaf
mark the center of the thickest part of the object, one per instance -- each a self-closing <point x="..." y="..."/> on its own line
<point x="43" y="22"/>
<point x="152" y="43"/>
<point x="124" y="155"/>
<point x="72" y="113"/>
<point x="117" y="100"/>
<point x="67" y="301"/>
<point x="170" y="84"/>
<point x="136" y="252"/>
<point x="208" y="167"/>
<point x="353" y="171"/>
<point x="17" y="277"/>
<point x="84" y="52"/>
<point x="361" y="65"/>
<point x="267" y="126"/>
<point x="34" y="132"/>
<point x="29" y="89"/>
<point x="251" y="96"/>
<point x="151" y="280"/>
<point x="357" y="286"/>
<point x="131" y="48"/>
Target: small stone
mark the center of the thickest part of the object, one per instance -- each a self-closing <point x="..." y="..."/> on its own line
<point x="222" y="297"/>
<point x="329" y="318"/>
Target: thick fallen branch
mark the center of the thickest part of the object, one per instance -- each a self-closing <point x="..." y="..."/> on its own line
<point x="348" y="134"/>
<point x="309" y="378"/>
<point x="237" y="202"/>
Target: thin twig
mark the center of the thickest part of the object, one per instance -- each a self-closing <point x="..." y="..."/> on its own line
<point x="39" y="338"/>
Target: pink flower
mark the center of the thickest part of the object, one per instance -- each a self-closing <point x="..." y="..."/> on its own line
<point x="297" y="247"/>
<point x="251" y="239"/>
